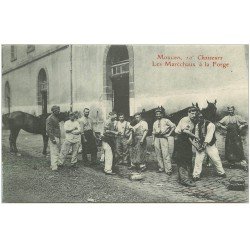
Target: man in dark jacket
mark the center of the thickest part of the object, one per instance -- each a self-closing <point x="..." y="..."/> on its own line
<point x="54" y="133"/>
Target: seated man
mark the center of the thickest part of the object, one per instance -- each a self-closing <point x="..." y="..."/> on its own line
<point x="205" y="131"/>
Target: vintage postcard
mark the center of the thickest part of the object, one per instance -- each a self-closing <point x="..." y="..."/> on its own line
<point x="125" y="123"/>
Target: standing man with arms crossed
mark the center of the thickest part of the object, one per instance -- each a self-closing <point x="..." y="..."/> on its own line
<point x="54" y="133"/>
<point x="162" y="129"/>
<point x="72" y="140"/>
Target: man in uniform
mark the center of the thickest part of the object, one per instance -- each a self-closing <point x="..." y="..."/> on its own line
<point x="162" y="129"/>
<point x="88" y="139"/>
<point x="54" y="133"/>
<point x="205" y="131"/>
<point x="72" y="140"/>
<point x="123" y="128"/>
<point x="183" y="146"/>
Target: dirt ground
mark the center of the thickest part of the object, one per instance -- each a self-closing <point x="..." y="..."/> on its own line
<point x="28" y="178"/>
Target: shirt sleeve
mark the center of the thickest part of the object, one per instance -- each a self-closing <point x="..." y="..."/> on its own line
<point x="210" y="132"/>
<point x="196" y="131"/>
<point x="171" y="124"/>
<point x="224" y="121"/>
<point x="49" y="129"/>
<point x="153" y="132"/>
<point x="241" y="121"/>
<point x="179" y="127"/>
<point x="66" y="126"/>
<point x="79" y="127"/>
<point x="145" y="126"/>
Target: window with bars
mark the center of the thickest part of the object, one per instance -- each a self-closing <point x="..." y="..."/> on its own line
<point x="13" y="53"/>
<point x="120" y="68"/>
<point x="30" y="48"/>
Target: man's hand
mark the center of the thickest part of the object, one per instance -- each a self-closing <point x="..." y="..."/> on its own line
<point x="141" y="141"/>
<point x="53" y="141"/>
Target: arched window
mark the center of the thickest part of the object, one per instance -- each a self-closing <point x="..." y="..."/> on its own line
<point x="42" y="94"/>
<point x="7" y="96"/>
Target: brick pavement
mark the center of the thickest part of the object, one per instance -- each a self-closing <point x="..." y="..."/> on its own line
<point x="209" y="189"/>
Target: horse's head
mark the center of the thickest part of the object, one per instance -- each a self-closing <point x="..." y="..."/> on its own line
<point x="63" y="116"/>
<point x="210" y="111"/>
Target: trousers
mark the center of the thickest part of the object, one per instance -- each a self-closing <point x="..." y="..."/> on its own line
<point x="162" y="154"/>
<point x="213" y="153"/>
<point x="108" y="157"/>
<point x="66" y="146"/>
<point x="54" y="153"/>
<point x="122" y="149"/>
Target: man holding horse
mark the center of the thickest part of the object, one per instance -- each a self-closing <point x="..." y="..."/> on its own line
<point x="205" y="131"/>
<point x="54" y="133"/>
<point x="183" y="146"/>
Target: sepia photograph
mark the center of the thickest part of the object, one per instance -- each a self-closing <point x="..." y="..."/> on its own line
<point x="125" y="123"/>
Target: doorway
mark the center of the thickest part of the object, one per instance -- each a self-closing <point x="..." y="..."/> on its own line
<point x="120" y="87"/>
<point x="119" y="79"/>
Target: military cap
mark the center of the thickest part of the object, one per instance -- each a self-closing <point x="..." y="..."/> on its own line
<point x="55" y="107"/>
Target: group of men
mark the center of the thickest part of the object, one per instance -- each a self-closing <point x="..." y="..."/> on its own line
<point x="124" y="143"/>
<point x="78" y="132"/>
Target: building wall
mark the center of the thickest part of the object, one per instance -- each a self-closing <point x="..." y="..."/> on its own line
<point x="24" y="80"/>
<point x="173" y="88"/>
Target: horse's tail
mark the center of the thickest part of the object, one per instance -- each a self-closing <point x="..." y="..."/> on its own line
<point x="6" y="121"/>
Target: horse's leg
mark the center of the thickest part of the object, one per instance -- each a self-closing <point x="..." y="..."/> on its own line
<point x="11" y="141"/>
<point x="45" y="144"/>
<point x="15" y="135"/>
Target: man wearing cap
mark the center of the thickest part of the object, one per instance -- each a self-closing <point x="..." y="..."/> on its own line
<point x="162" y="129"/>
<point x="183" y="146"/>
<point x="88" y="139"/>
<point x="72" y="140"/>
<point x="233" y="124"/>
<point x="54" y="133"/>
<point x="205" y="131"/>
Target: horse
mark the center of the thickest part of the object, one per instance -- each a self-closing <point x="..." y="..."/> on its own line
<point x="209" y="112"/>
<point x="18" y="120"/>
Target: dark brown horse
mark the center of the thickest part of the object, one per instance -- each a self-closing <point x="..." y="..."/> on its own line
<point x="18" y="120"/>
